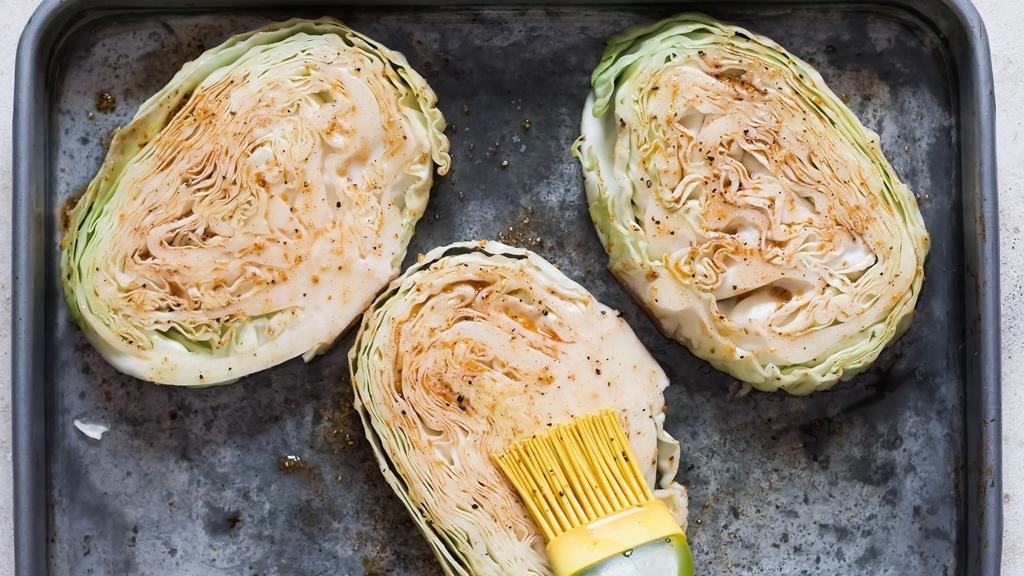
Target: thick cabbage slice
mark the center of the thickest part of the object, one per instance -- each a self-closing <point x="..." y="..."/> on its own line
<point x="744" y="205"/>
<point x="475" y="347"/>
<point x="254" y="206"/>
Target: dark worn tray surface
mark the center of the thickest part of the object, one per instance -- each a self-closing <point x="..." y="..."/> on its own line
<point x="866" y="479"/>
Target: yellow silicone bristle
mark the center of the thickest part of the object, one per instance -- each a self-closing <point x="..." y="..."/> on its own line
<point x="576" y="473"/>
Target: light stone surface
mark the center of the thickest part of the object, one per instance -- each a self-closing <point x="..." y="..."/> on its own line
<point x="1005" y="27"/>
<point x="16" y="13"/>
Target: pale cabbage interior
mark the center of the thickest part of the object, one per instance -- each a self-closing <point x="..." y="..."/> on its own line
<point x="476" y="347"/>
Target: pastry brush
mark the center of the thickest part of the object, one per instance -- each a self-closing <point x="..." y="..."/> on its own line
<point x="581" y="484"/>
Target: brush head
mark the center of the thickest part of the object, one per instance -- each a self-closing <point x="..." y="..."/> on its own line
<point x="581" y="484"/>
<point x="576" y="473"/>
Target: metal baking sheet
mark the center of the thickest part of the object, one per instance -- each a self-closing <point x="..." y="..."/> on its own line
<point x="893" y="473"/>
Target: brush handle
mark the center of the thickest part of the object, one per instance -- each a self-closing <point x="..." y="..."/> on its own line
<point x="663" y="557"/>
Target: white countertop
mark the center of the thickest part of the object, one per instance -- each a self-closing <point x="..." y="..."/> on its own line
<point x="1005" y="28"/>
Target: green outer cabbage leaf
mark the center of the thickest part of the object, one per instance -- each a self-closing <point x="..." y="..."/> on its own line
<point x="254" y="206"/>
<point x="746" y="207"/>
<point x="477" y="346"/>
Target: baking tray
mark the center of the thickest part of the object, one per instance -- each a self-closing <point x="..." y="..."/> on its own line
<point x="896" y="472"/>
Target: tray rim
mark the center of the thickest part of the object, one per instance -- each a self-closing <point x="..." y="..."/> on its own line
<point x="957" y="22"/>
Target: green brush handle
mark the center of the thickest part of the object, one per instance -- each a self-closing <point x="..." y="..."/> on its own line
<point x="663" y="557"/>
